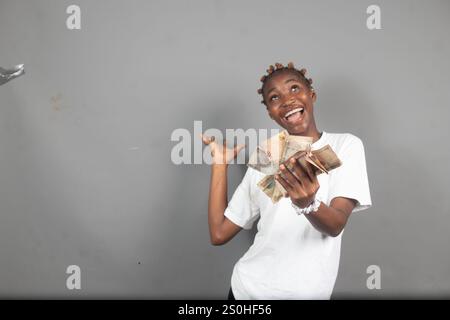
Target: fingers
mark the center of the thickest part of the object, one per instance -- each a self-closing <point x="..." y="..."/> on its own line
<point x="299" y="173"/>
<point x="206" y="140"/>
<point x="299" y="181"/>
<point x="291" y="184"/>
<point x="307" y="177"/>
<point x="238" y="148"/>
<point x="284" y="183"/>
<point x="289" y="177"/>
<point x="299" y="177"/>
<point x="220" y="151"/>
<point x="203" y="137"/>
<point x="209" y="142"/>
<point x="303" y="170"/>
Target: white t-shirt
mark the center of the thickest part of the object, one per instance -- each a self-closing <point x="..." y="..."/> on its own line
<point x="289" y="258"/>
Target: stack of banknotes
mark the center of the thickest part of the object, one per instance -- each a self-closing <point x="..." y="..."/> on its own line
<point x="277" y="150"/>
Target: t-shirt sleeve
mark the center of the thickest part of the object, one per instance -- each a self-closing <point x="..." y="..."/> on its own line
<point x="350" y="179"/>
<point x="241" y="208"/>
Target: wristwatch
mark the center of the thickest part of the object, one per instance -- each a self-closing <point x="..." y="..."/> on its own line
<point x="313" y="207"/>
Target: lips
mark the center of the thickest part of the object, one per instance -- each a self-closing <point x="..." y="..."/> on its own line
<point x="294" y="115"/>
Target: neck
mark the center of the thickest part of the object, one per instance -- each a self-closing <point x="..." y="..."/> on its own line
<point x="311" y="132"/>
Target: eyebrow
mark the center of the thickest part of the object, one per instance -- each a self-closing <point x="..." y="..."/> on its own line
<point x="288" y="80"/>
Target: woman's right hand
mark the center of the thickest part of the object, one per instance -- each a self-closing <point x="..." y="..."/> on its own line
<point x="220" y="153"/>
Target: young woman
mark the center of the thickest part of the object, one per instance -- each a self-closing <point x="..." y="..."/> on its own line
<point x="295" y="254"/>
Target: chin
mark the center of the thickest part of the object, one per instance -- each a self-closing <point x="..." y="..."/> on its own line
<point x="299" y="131"/>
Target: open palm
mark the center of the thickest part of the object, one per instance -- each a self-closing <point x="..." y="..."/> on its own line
<point x="220" y="153"/>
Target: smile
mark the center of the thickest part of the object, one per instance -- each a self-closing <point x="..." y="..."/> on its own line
<point x="294" y="114"/>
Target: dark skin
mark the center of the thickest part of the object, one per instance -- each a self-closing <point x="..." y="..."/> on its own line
<point x="282" y="92"/>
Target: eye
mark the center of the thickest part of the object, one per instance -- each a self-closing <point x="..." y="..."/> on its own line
<point x="273" y="98"/>
<point x="295" y="88"/>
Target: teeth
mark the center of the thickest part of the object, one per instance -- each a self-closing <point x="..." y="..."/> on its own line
<point x="292" y="112"/>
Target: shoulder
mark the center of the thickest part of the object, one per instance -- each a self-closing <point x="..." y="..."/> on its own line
<point x="343" y="138"/>
<point x="345" y="144"/>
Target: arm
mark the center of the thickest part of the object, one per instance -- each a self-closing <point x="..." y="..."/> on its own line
<point x="332" y="219"/>
<point x="221" y="229"/>
<point x="302" y="186"/>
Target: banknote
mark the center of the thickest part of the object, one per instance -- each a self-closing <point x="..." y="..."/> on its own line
<point x="295" y="144"/>
<point x="268" y="155"/>
<point x="322" y="160"/>
<point x="272" y="188"/>
<point x="262" y="161"/>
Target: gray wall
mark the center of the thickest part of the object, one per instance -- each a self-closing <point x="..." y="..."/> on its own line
<point x="85" y="170"/>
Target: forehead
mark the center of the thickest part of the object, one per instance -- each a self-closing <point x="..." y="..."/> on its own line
<point x="281" y="77"/>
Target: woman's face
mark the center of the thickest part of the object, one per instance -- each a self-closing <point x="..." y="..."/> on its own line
<point x="290" y="102"/>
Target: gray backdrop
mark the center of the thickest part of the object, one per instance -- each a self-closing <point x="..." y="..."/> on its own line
<point x="85" y="168"/>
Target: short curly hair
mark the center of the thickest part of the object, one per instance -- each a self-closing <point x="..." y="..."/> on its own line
<point x="278" y="68"/>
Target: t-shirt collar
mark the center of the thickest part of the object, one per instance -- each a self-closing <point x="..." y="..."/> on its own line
<point x="319" y="143"/>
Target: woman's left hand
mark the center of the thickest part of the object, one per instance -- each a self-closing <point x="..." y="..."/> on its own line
<point x="301" y="184"/>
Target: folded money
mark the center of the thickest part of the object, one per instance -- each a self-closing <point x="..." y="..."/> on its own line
<point x="322" y="160"/>
<point x="271" y="153"/>
<point x="298" y="147"/>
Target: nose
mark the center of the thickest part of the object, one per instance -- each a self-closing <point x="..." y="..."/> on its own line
<point x="287" y="102"/>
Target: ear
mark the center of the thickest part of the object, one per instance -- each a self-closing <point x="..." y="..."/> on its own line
<point x="268" y="111"/>
<point x="313" y="95"/>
